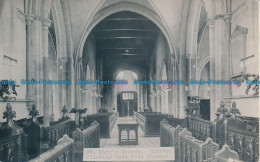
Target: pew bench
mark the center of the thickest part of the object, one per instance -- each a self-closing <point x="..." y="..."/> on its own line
<point x="106" y="120"/>
<point x="63" y="151"/>
<point x="149" y="122"/>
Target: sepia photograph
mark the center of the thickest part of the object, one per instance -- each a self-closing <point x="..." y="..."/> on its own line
<point x="129" y="80"/>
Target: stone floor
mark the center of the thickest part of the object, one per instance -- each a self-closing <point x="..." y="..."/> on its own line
<point x="142" y="140"/>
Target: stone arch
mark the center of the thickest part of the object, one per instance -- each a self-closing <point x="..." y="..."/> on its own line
<point x="203" y="88"/>
<point x="124" y="6"/>
<point x="204" y="62"/>
<point x="141" y="73"/>
<point x="193" y="25"/>
<point x="205" y="59"/>
<point x="59" y="26"/>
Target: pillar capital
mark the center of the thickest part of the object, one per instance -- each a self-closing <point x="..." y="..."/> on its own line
<point x="29" y="18"/>
<point x="211" y="22"/>
<point x="46" y="24"/>
<point x="227" y="17"/>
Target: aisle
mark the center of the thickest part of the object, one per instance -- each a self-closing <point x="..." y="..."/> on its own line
<point x="144" y="142"/>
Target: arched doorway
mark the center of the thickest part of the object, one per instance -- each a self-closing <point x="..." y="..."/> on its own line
<point x="127" y="95"/>
<point x="204" y="92"/>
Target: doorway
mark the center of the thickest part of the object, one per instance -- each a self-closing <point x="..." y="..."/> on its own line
<point x="126" y="103"/>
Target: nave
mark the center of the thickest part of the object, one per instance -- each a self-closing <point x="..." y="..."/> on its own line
<point x="77" y="42"/>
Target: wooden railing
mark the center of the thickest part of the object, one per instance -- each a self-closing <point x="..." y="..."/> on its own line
<point x="189" y="149"/>
<point x="200" y="128"/>
<point x="243" y="137"/>
<point x="106" y="120"/>
<point x="239" y="132"/>
<point x="55" y="132"/>
<point x="169" y="136"/>
<point x="149" y="122"/>
<point x="87" y="138"/>
<point x="37" y="137"/>
<point x="68" y="149"/>
<point x="41" y="138"/>
<point x="63" y="151"/>
<point x="141" y="121"/>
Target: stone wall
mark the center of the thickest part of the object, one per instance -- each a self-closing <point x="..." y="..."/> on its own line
<point x="13" y="52"/>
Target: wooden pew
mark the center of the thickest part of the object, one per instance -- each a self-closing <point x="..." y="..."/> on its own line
<point x="187" y="148"/>
<point x="87" y="138"/>
<point x="169" y="136"/>
<point x="219" y="129"/>
<point x="175" y="122"/>
<point x="40" y="138"/>
<point x="239" y="132"/>
<point x="226" y="154"/>
<point x="13" y="141"/>
<point x="192" y="149"/>
<point x="200" y="128"/>
<point x="106" y="120"/>
<point x="149" y="122"/>
<point x="243" y="137"/>
<point x="63" y="151"/>
<point x="53" y="133"/>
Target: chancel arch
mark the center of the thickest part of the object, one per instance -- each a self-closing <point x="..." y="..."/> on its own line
<point x="119" y="7"/>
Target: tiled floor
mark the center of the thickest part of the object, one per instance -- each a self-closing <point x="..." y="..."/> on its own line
<point x="142" y="140"/>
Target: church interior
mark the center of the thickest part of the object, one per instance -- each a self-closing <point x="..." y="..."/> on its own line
<point x="129" y="40"/>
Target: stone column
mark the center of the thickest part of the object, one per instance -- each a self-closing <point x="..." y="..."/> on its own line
<point x="45" y="54"/>
<point x="145" y="96"/>
<point x="182" y="93"/>
<point x="211" y="24"/>
<point x="158" y="98"/>
<point x="64" y="61"/>
<point x="191" y="59"/>
<point x="78" y="97"/>
<point x="226" y="88"/>
<point x="71" y="88"/>
<point x="36" y="61"/>
<point x="173" y="111"/>
<point x="151" y="98"/>
<point x="29" y="88"/>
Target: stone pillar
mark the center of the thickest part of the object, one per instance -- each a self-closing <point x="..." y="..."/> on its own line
<point x="151" y="98"/>
<point x="45" y="54"/>
<point x="71" y="88"/>
<point x="158" y="98"/>
<point x="226" y="88"/>
<point x="36" y="61"/>
<point x="145" y="96"/>
<point x="191" y="60"/>
<point x="183" y="94"/>
<point x="64" y="61"/>
<point x="29" y="87"/>
<point x="174" y="89"/>
<point x="211" y="24"/>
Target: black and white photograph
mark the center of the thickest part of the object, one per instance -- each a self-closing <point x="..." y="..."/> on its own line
<point x="129" y="80"/>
